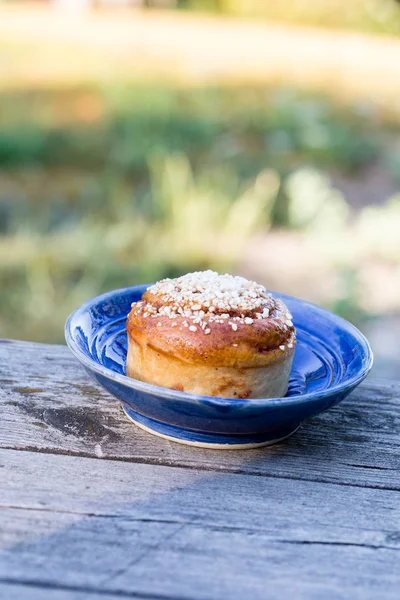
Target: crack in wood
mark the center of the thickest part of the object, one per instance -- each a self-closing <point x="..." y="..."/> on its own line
<point x="115" y="516"/>
<point x="343" y="544"/>
<point x="143" y="555"/>
<point x="390" y="536"/>
<point x="198" y="467"/>
<point x="89" y="590"/>
<point x="370" y="467"/>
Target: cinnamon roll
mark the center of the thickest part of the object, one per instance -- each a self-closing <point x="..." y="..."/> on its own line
<point x="211" y="334"/>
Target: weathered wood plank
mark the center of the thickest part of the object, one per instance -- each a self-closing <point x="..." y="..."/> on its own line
<point x="81" y="486"/>
<point x="171" y="532"/>
<point x="219" y="564"/>
<point x="62" y="411"/>
<point x="49" y="404"/>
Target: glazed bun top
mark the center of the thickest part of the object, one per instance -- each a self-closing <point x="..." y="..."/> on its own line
<point x="215" y="319"/>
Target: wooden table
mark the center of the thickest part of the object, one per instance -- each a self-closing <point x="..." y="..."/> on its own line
<point x="92" y="507"/>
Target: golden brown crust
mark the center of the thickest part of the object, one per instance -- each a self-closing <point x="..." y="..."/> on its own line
<point x="158" y="368"/>
<point x="245" y="327"/>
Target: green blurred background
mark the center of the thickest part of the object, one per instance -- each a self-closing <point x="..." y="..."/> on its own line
<point x="258" y="137"/>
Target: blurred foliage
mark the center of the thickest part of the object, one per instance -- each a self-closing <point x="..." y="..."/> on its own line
<point x="313" y="204"/>
<point x="118" y="127"/>
<point x="48" y="267"/>
<point x="358" y="248"/>
<point x="379" y="229"/>
<point x="199" y="220"/>
<point x="375" y="16"/>
<point x="111" y="186"/>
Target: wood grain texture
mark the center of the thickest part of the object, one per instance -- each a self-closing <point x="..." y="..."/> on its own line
<point x="315" y="517"/>
<point x="49" y="404"/>
<point x="175" y="533"/>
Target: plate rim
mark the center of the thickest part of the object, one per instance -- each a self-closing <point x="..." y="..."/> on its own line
<point x="170" y="394"/>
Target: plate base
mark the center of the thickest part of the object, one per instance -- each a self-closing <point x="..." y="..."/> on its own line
<point x="200" y="440"/>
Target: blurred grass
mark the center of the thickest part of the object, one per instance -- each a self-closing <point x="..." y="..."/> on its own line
<point x="372" y="16"/>
<point x="119" y="126"/>
<point x="107" y="186"/>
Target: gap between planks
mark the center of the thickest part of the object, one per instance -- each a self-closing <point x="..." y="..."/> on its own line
<point x="209" y="468"/>
<point x="207" y="526"/>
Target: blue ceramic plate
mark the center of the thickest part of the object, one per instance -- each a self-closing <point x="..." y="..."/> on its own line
<point x="332" y="357"/>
